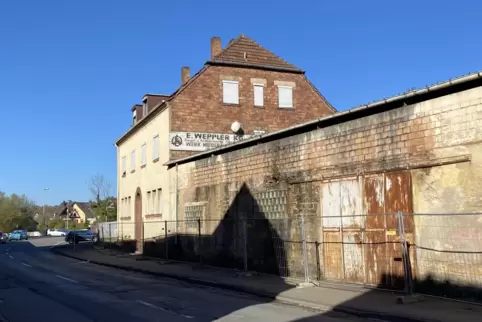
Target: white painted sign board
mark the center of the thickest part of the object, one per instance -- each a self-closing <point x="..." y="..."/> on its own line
<point x="199" y="141"/>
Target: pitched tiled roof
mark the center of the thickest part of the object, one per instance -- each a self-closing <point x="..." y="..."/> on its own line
<point x="86" y="208"/>
<point x="245" y="51"/>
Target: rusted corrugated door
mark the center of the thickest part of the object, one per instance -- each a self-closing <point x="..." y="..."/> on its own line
<point x="352" y="224"/>
<point x="342" y="230"/>
<point x="377" y="262"/>
<point x="398" y="197"/>
<point x="332" y="239"/>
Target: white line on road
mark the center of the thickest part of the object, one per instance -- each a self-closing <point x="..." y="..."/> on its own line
<point x="165" y="310"/>
<point x="10" y="256"/>
<point x="66" y="278"/>
<point x="25" y="264"/>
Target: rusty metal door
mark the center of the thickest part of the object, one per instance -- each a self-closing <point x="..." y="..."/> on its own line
<point x="342" y="230"/>
<point x="138" y="221"/>
<point x="352" y="229"/>
<point x="331" y="228"/>
<point x="384" y="196"/>
<point x="398" y="197"/>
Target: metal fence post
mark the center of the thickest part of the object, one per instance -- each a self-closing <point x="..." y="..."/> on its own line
<point x="407" y="269"/>
<point x="166" y="241"/>
<point x="199" y="240"/>
<point x="305" y="254"/>
<point x="245" y="248"/>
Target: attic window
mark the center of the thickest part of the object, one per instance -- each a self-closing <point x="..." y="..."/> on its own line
<point x="134" y="117"/>
<point x="285" y="96"/>
<point x="144" y="107"/>
<point x="230" y="92"/>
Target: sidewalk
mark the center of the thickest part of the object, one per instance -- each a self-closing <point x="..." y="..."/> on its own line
<point x="354" y="300"/>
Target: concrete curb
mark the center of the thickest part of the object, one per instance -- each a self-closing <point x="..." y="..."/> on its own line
<point x="261" y="293"/>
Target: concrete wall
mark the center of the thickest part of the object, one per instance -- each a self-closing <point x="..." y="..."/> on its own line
<point x="439" y="135"/>
<point x="151" y="177"/>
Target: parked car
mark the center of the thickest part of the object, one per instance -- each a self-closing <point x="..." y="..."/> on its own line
<point x="18" y="235"/>
<point x="57" y="232"/>
<point x="3" y="238"/>
<point x="80" y="236"/>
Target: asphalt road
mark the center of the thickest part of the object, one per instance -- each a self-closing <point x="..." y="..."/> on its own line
<point x="37" y="285"/>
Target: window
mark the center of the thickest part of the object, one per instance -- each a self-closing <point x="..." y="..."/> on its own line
<point x="155" y="148"/>
<point x="144" y="108"/>
<point x="230" y="92"/>
<point x="285" y="96"/>
<point x="129" y="206"/>
<point x="159" y="201"/>
<point x="143" y="154"/>
<point x="153" y="204"/>
<point x="149" y="198"/>
<point x="133" y="160"/>
<point x="134" y="116"/>
<point x="258" y="95"/>
<point x="124" y="165"/>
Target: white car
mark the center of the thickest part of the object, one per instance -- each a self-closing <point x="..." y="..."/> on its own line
<point x="57" y="232"/>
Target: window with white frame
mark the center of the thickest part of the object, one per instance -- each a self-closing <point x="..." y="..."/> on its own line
<point x="124" y="165"/>
<point x="143" y="154"/>
<point x="155" y="148"/>
<point x="230" y="92"/>
<point x="258" y="95"/>
<point x="154" y="202"/>
<point x="285" y="96"/>
<point x="159" y="201"/>
<point x="129" y="211"/>
<point x="133" y="160"/>
<point x="148" y="208"/>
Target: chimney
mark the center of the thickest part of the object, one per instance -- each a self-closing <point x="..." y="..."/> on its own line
<point x="185" y="75"/>
<point x="215" y="47"/>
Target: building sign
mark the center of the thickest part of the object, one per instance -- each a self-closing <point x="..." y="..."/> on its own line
<point x="198" y="141"/>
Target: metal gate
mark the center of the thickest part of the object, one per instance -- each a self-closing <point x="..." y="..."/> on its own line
<point x="361" y="242"/>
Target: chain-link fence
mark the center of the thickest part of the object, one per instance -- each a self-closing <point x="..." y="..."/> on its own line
<point x="437" y="254"/>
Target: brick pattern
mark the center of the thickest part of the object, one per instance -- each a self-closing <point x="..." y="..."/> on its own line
<point x="200" y="106"/>
<point x="413" y="133"/>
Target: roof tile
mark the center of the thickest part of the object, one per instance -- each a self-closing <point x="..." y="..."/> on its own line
<point x="243" y="50"/>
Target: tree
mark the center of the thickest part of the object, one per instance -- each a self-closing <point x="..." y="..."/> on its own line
<point x="16" y="212"/>
<point x="103" y="206"/>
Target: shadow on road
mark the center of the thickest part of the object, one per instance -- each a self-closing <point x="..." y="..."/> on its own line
<point x="245" y="240"/>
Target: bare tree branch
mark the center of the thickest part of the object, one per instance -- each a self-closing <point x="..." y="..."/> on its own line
<point x="99" y="187"/>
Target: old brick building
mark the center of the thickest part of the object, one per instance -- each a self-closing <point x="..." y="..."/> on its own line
<point x="348" y="174"/>
<point x="242" y="90"/>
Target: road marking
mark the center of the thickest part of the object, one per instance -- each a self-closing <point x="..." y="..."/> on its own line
<point x="10" y="256"/>
<point x="66" y="278"/>
<point x="165" y="310"/>
<point x="25" y="264"/>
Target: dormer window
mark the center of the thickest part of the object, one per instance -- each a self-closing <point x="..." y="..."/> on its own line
<point x="134" y="117"/>
<point x="144" y="107"/>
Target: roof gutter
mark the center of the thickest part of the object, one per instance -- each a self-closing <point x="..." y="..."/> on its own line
<point x="285" y="132"/>
<point x="247" y="65"/>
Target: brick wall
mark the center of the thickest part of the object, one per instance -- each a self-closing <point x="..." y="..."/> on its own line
<point x="425" y="134"/>
<point x="200" y="106"/>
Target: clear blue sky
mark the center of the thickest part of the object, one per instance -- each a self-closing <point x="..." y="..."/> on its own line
<point x="71" y="70"/>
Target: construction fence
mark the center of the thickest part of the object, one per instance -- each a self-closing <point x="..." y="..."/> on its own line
<point x="436" y="254"/>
